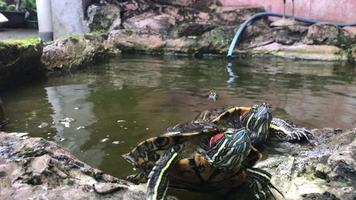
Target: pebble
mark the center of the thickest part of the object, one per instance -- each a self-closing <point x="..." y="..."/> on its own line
<point x="121" y="121"/>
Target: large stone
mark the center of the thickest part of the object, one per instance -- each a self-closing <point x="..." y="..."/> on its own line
<point x="194" y="29"/>
<point x="150" y="23"/>
<point x="343" y="163"/>
<point x="39" y="169"/>
<point x="103" y="17"/>
<point x="328" y="34"/>
<point x="75" y="51"/>
<point x="19" y="63"/>
<point x="307" y="171"/>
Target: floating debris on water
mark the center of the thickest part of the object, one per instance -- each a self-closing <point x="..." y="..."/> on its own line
<point x="147" y="129"/>
<point x="80" y="127"/>
<point x="62" y="139"/>
<point x="213" y="95"/>
<point x="126" y="128"/>
<point x="121" y="121"/>
<point x="43" y="125"/>
<point x="121" y="126"/>
<point x="76" y="108"/>
<point x="104" y="140"/>
<point x="118" y="142"/>
<point x="66" y="121"/>
<point x="49" y="133"/>
<point x="134" y="122"/>
<point x="107" y="136"/>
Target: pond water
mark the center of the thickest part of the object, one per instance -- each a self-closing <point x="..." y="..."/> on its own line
<point x="102" y="112"/>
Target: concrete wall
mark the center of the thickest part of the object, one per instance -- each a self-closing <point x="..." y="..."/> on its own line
<point x="326" y="10"/>
<point x="68" y="17"/>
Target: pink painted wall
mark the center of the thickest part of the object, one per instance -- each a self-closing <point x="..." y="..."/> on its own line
<point x="326" y="10"/>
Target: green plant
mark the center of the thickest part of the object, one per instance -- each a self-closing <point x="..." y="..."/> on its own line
<point x="3" y="4"/>
<point x="7" y="7"/>
<point x="29" y="5"/>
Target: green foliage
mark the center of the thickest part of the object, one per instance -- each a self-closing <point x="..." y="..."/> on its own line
<point x="7" y="7"/>
<point x="29" y="5"/>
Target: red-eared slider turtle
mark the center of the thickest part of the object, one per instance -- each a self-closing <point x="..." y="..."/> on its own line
<point x="203" y="156"/>
<point x="237" y="117"/>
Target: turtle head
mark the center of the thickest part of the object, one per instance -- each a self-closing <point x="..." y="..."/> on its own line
<point x="257" y="121"/>
<point x="228" y="150"/>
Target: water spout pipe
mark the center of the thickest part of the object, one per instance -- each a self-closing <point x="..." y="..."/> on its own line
<point x="44" y="15"/>
<point x="243" y="26"/>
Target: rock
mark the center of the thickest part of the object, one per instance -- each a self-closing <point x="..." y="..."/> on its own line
<point x="300" y="51"/>
<point x="107" y="188"/>
<point x="328" y="34"/>
<point x="72" y="52"/>
<point x="303" y="171"/>
<point x="150" y="23"/>
<point x="343" y="163"/>
<point x="317" y="196"/>
<point x="322" y="171"/>
<point x="19" y="63"/>
<point x="40" y="169"/>
<point x="103" y="17"/>
<point x="194" y="29"/>
<point x="290" y="34"/>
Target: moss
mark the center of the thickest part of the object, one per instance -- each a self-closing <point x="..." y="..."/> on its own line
<point x="28" y="151"/>
<point x="72" y="36"/>
<point x="23" y="42"/>
<point x="350" y="53"/>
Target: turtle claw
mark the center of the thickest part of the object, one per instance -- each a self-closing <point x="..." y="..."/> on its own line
<point x="288" y="131"/>
<point x="300" y="134"/>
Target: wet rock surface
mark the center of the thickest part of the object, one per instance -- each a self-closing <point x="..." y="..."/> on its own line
<point x="37" y="168"/>
<point x="74" y="51"/>
<point x="324" y="170"/>
<point x="19" y="64"/>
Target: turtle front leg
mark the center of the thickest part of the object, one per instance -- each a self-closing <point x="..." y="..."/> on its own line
<point x="158" y="178"/>
<point x="259" y="182"/>
<point x="287" y="131"/>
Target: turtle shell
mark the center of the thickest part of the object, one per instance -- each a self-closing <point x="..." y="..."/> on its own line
<point x="193" y="134"/>
<point x="146" y="153"/>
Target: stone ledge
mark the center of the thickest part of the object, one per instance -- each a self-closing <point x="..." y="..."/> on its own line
<point x="37" y="168"/>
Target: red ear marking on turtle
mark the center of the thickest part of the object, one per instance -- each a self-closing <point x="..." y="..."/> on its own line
<point x="215" y="138"/>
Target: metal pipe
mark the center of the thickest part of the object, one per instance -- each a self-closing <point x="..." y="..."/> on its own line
<point x="44" y="14"/>
<point x="249" y="21"/>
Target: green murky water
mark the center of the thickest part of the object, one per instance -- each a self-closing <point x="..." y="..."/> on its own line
<point x="100" y="113"/>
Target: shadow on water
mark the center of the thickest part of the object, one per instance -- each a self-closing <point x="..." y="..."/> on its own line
<point x="102" y="112"/>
